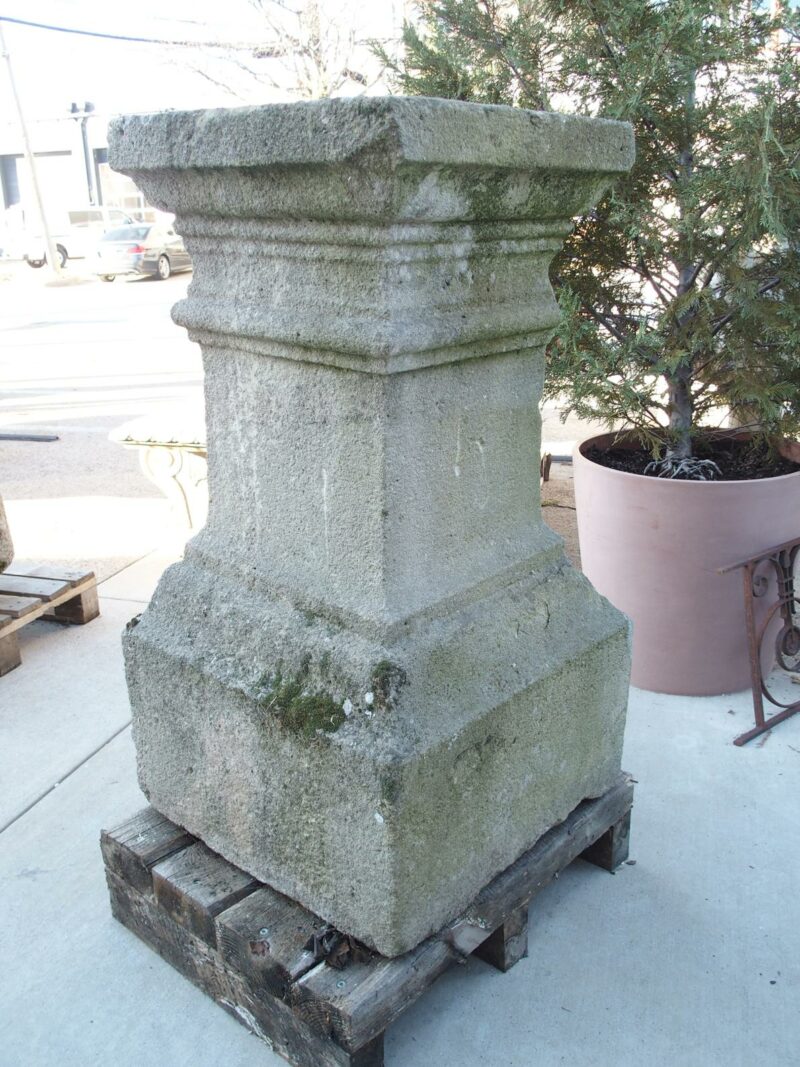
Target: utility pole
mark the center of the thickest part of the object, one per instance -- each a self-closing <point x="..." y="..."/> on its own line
<point x="52" y="253"/>
<point x="82" y="116"/>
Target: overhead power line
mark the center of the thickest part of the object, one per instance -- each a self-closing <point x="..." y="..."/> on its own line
<point x="236" y="45"/>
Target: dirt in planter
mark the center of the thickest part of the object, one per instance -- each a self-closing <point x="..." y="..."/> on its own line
<point x="737" y="460"/>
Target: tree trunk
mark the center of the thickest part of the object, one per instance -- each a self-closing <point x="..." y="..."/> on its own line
<point x="680" y="414"/>
<point x="681" y="404"/>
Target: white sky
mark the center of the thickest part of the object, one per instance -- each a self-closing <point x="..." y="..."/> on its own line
<point x="53" y="69"/>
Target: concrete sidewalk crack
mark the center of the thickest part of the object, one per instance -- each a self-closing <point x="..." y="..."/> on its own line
<point x="63" y="778"/>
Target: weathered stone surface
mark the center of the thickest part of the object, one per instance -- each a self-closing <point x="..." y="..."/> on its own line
<point x="6" y="544"/>
<point x="374" y="681"/>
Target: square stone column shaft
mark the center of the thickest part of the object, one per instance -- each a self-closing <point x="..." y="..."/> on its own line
<point x="374" y="680"/>
<point x="363" y="243"/>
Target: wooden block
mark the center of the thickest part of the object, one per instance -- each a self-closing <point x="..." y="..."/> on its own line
<point x="370" y="1055"/>
<point x="265" y="1016"/>
<point x="134" y="848"/>
<point x="9" y="653"/>
<point x="16" y="607"/>
<point x="509" y="942"/>
<point x="78" y="610"/>
<point x="195" y="885"/>
<point x="263" y="938"/>
<point x="357" y="1004"/>
<point x="611" y="849"/>
<point x="23" y="585"/>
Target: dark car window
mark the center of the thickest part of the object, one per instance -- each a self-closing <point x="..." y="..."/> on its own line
<point x="127" y="233"/>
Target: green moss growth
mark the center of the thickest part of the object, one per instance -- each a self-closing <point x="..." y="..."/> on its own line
<point x="387" y="680"/>
<point x="390" y="788"/>
<point x="487" y="193"/>
<point x="300" y="710"/>
<point x="305" y="714"/>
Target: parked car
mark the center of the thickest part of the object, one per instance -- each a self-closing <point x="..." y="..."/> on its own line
<point x="141" y="249"/>
<point x="76" y="234"/>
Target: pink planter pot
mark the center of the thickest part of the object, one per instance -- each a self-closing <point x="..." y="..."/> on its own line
<point x="654" y="547"/>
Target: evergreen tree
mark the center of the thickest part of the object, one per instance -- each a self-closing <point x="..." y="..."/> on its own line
<point x="681" y="289"/>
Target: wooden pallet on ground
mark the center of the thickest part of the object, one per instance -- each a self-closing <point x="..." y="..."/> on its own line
<point x="314" y="996"/>
<point x="42" y="592"/>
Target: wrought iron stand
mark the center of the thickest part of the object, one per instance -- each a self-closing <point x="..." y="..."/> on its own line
<point x="756" y="574"/>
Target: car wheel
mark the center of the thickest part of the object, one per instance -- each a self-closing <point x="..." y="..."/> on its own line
<point x="35" y="263"/>
<point x="62" y="256"/>
<point x="108" y="277"/>
<point x="164" y="269"/>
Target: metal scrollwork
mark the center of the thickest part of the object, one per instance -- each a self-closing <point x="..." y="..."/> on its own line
<point x="759" y="581"/>
<point x="787" y="643"/>
<point x="771" y="576"/>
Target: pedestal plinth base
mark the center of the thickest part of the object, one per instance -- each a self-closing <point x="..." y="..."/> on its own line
<point x="315" y="997"/>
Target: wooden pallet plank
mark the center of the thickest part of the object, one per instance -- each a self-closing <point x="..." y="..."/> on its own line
<point x="263" y="938"/>
<point x="132" y="849"/>
<point x="48" y="570"/>
<point x="24" y="585"/>
<point x="359" y="1003"/>
<point x="195" y="885"/>
<point x="374" y="994"/>
<point x="16" y="607"/>
<point x="266" y="1016"/>
<point x="71" y="597"/>
<point x="76" y="604"/>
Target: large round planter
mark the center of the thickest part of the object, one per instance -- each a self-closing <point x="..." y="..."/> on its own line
<point x="654" y="547"/>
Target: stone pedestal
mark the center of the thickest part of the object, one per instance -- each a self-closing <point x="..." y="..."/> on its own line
<point x="6" y="544"/>
<point x="374" y="680"/>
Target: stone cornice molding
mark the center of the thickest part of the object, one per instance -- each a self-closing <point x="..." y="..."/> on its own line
<point x="432" y="203"/>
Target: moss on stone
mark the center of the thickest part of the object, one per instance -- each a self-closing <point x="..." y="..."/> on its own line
<point x="486" y="192"/>
<point x="299" y="708"/>
<point x="387" y="680"/>
<point x="390" y="788"/>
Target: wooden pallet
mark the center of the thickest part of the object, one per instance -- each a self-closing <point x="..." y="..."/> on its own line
<point x="315" y="997"/>
<point x="42" y="592"/>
